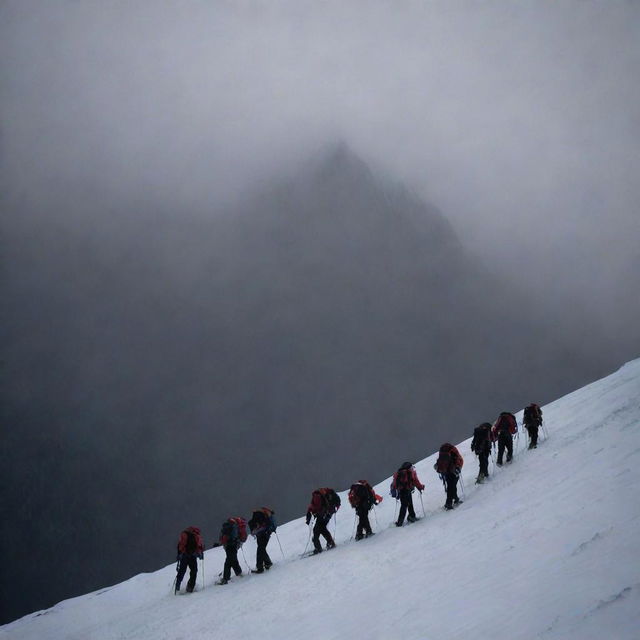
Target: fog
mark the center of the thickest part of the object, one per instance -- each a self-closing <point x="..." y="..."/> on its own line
<point x="217" y="291"/>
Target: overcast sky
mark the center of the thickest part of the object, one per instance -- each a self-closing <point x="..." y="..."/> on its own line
<point x="519" y="120"/>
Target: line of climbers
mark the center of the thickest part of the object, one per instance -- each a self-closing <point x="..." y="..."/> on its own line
<point x="325" y="502"/>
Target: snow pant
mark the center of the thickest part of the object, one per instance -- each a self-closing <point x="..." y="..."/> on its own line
<point x="533" y="435"/>
<point x="364" y="526"/>
<point x="231" y="561"/>
<point x="406" y="504"/>
<point x="320" y="529"/>
<point x="187" y="560"/>
<point x="451" y="487"/>
<point x="505" y="441"/>
<point x="483" y="459"/>
<point x="262" y="557"/>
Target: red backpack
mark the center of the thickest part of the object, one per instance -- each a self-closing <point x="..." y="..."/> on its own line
<point x="448" y="459"/>
<point x="506" y="422"/>
<point x="190" y="541"/>
<point x="324" y="500"/>
<point x="403" y="477"/>
<point x="234" y="530"/>
<point x="361" y="493"/>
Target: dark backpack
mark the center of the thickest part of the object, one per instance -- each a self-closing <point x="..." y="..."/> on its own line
<point x="481" y="438"/>
<point x="445" y="460"/>
<point x="192" y="542"/>
<point x="329" y="499"/>
<point x="229" y="531"/>
<point x="262" y="520"/>
<point x="361" y="494"/>
<point x="532" y="415"/>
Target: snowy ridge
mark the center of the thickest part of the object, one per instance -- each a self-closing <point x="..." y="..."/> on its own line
<point x="547" y="549"/>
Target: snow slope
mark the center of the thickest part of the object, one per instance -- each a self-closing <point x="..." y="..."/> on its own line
<point x="549" y="548"/>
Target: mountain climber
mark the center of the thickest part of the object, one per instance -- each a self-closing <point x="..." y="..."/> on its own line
<point x="481" y="445"/>
<point x="362" y="498"/>
<point x="405" y="481"/>
<point x="232" y="534"/>
<point x="324" y="503"/>
<point x="262" y="524"/>
<point x="190" y="548"/>
<point x="532" y="420"/>
<point x="449" y="465"/>
<point x="504" y="428"/>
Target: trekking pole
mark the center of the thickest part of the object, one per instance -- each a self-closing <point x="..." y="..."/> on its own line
<point x="353" y="532"/>
<point x="278" y="539"/>
<point x="203" y="571"/>
<point x="308" y="539"/>
<point x="544" y="430"/>
<point x="395" y="511"/>
<point x="173" y="584"/>
<point x="462" y="487"/>
<point x="424" y="515"/>
<point x="335" y="525"/>
<point x="375" y="515"/>
<point x="245" y="559"/>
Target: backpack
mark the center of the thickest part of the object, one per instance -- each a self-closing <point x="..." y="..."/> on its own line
<point x="448" y="459"/>
<point x="190" y="541"/>
<point x="234" y="530"/>
<point x="506" y="423"/>
<point x="262" y="521"/>
<point x="191" y="546"/>
<point x="481" y="438"/>
<point x="327" y="498"/>
<point x="361" y="493"/>
<point x="533" y="414"/>
<point x="402" y="479"/>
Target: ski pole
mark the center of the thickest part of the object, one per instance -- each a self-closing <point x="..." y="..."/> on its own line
<point x="175" y="580"/>
<point x="353" y="532"/>
<point x="278" y="539"/>
<point x="245" y="559"/>
<point x="544" y="430"/>
<point x="308" y="539"/>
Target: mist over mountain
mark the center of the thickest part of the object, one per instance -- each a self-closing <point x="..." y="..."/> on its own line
<point x="165" y="367"/>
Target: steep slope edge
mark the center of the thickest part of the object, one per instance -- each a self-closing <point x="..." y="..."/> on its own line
<point x="547" y="548"/>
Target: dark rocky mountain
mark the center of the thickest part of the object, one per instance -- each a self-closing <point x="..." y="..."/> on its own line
<point x="165" y="368"/>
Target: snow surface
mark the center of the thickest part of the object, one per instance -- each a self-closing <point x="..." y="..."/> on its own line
<point x="549" y="548"/>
